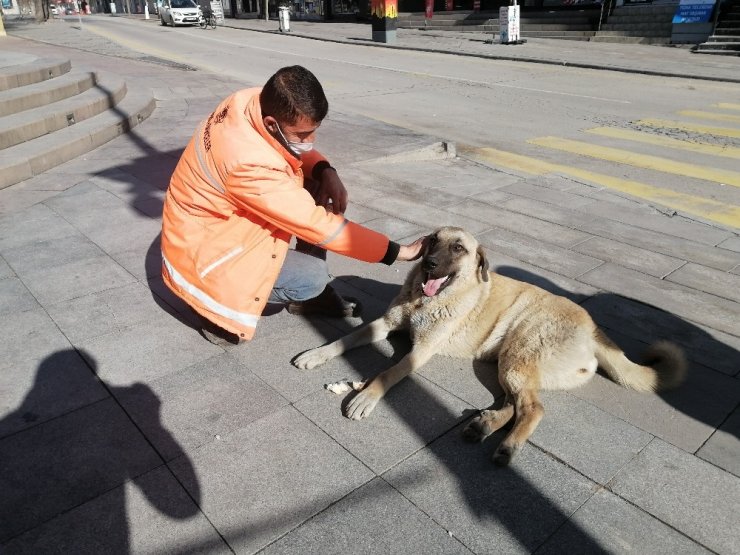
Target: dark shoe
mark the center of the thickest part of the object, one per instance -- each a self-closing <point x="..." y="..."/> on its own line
<point x="328" y="303"/>
<point x="217" y="335"/>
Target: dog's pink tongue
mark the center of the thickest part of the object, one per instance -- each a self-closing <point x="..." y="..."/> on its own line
<point x="431" y="287"/>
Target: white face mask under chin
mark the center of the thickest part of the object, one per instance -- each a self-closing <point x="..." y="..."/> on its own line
<point x="296" y="148"/>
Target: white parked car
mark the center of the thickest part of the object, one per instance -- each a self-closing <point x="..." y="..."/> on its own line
<point x="179" y="12"/>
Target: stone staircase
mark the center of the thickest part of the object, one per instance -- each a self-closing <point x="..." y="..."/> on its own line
<point x="648" y="24"/>
<point x="566" y="24"/>
<point x="50" y="114"/>
<point x="726" y="38"/>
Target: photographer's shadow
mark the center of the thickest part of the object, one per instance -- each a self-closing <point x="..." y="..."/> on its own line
<point x="64" y="480"/>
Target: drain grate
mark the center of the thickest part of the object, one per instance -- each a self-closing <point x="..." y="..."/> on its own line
<point x="70" y="119"/>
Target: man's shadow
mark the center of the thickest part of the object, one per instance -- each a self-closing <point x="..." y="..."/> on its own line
<point x="80" y="461"/>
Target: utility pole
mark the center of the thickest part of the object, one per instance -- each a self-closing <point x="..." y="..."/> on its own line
<point x="267" y="15"/>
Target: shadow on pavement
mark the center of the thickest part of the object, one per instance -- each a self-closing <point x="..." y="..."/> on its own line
<point x="72" y="467"/>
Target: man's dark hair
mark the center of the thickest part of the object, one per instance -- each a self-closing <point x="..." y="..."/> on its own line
<point x="292" y="92"/>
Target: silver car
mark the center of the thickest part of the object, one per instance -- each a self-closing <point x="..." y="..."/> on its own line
<point x="179" y="12"/>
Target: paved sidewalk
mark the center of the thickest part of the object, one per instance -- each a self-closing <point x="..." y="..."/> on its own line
<point x="123" y="431"/>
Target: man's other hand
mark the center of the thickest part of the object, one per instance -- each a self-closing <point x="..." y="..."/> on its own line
<point x="332" y="195"/>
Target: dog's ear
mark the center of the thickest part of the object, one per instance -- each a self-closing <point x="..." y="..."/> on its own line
<point x="482" y="263"/>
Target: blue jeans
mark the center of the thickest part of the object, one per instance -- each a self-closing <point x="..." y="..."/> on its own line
<point x="304" y="275"/>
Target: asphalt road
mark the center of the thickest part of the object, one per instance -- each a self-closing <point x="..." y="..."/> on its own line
<point x="666" y="140"/>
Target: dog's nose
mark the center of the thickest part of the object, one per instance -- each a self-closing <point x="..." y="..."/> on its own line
<point x="429" y="263"/>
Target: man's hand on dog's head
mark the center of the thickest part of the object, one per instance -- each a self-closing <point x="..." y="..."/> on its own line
<point x="412" y="251"/>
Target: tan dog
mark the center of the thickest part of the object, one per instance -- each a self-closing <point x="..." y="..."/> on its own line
<point x="452" y="305"/>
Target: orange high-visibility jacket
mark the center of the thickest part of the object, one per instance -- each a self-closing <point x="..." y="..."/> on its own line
<point x="234" y="201"/>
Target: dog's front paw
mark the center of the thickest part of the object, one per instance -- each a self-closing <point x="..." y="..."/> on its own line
<point x="361" y="405"/>
<point x="311" y="359"/>
<point x="478" y="428"/>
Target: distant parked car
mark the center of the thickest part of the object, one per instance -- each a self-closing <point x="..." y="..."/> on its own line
<point x="53" y="10"/>
<point x="179" y="12"/>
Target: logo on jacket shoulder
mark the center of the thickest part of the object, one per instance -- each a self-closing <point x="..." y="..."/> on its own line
<point x="213" y="118"/>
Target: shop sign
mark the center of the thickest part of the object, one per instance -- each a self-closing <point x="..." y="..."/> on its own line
<point x="7" y="4"/>
<point x="694" y="11"/>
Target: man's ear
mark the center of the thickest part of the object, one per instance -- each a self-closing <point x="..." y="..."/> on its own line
<point x="270" y="124"/>
<point x="482" y="263"/>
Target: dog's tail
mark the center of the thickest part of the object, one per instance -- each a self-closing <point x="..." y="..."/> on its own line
<point x="665" y="365"/>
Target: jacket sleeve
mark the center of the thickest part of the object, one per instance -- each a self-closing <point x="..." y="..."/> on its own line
<point x="273" y="195"/>
<point x="313" y="161"/>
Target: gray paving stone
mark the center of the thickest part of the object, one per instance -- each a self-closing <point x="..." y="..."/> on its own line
<point x="53" y="182"/>
<point x="75" y="279"/>
<point x="152" y="349"/>
<point x="474" y="382"/>
<point x="542" y="255"/>
<point x="105" y="312"/>
<point x="62" y="463"/>
<point x="686" y="493"/>
<point x="413" y="210"/>
<point x="19" y="198"/>
<point x="187" y="409"/>
<point x="396" y="527"/>
<point x="5" y="270"/>
<point x="415" y="189"/>
<point x="710" y="280"/>
<point x="51" y="253"/>
<point x="586" y="438"/>
<point x="412" y="414"/>
<point x="619" y="527"/>
<point x="555" y="196"/>
<point x="642" y="260"/>
<point x="711" y="348"/>
<point x="723" y="448"/>
<point x="267" y="478"/>
<point x="555" y="213"/>
<point x="361" y="214"/>
<point x="731" y="243"/>
<point x="646" y="217"/>
<point x="30" y="334"/>
<point x="14" y="297"/>
<point x="544" y="231"/>
<point x="685" y="416"/>
<point x="682" y="301"/>
<point x="36" y="223"/>
<point x="151" y="514"/>
<point x="714" y="257"/>
<point x="394" y="228"/>
<point x="128" y="187"/>
<point x="489" y="509"/>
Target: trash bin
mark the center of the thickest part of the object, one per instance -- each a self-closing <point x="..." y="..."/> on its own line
<point x="284" y="19"/>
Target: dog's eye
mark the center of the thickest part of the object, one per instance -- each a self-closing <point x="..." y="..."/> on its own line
<point x="458" y="248"/>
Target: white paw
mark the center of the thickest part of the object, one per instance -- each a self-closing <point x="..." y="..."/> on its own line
<point x="361" y="405"/>
<point x="311" y="359"/>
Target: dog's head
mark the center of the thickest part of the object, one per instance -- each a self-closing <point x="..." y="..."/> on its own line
<point x="451" y="255"/>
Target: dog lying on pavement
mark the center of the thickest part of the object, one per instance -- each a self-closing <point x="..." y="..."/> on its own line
<point x="452" y="305"/>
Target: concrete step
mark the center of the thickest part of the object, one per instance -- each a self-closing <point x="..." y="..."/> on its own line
<point x="723" y="38"/>
<point x="642" y="26"/>
<point x="718" y="52"/>
<point x="33" y="157"/>
<point x="108" y="91"/>
<point x="636" y="33"/>
<point x="719" y="46"/>
<point x="19" y="99"/>
<point x="35" y="71"/>
<point x="630" y="40"/>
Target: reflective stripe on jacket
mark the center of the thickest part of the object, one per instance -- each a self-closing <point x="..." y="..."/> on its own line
<point x="234" y="201"/>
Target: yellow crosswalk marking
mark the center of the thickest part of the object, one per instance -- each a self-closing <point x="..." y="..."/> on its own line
<point x="639" y="160"/>
<point x="727" y="106"/>
<point x="729" y="118"/>
<point x="683" y="126"/>
<point x="662" y="140"/>
<point x="720" y="212"/>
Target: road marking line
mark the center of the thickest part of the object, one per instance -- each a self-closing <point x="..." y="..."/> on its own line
<point x="645" y="161"/>
<point x="661" y="140"/>
<point x="704" y="129"/>
<point x="726" y="106"/>
<point x="720" y="212"/>
<point x="729" y="118"/>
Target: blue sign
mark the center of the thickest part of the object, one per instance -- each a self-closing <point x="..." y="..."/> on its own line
<point x="7" y="4"/>
<point x="694" y="11"/>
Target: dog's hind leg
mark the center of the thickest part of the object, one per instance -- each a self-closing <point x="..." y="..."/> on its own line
<point x="529" y="412"/>
<point x="376" y="330"/>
